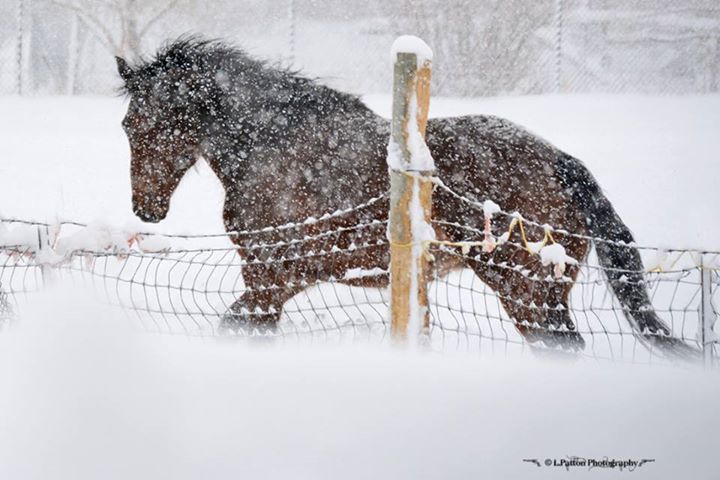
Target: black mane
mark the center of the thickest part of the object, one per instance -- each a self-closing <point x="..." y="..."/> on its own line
<point x="186" y="53"/>
<point x="220" y="67"/>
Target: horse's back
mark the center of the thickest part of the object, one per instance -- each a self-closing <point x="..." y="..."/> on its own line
<point x="487" y="157"/>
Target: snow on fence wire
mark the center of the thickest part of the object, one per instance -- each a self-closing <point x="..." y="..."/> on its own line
<point x="187" y="284"/>
<point x="465" y="313"/>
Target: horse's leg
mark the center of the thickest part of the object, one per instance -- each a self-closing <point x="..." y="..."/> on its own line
<point x="274" y="275"/>
<point x="554" y="294"/>
<point x="537" y="304"/>
<point x="259" y="307"/>
<point x="547" y="317"/>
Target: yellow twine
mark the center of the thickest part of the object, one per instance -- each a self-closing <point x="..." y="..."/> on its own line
<point x="547" y="237"/>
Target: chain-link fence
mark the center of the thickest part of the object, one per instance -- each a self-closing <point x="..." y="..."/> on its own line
<point x="483" y="47"/>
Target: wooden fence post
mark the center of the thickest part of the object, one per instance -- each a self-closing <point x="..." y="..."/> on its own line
<point x="411" y="171"/>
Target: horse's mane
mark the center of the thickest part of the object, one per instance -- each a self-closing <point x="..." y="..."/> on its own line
<point x="186" y="52"/>
<point x="193" y="53"/>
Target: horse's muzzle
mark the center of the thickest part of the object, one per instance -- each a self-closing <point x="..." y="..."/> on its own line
<point x="147" y="216"/>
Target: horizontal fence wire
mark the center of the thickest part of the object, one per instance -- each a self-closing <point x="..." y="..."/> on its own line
<point x="510" y="257"/>
<point x="327" y="279"/>
<point x="466" y="314"/>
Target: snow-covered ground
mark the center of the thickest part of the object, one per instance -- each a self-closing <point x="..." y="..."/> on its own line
<point x="82" y="398"/>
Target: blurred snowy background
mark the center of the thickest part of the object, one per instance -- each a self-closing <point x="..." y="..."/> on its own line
<point x="82" y="397"/>
<point x="482" y="47"/>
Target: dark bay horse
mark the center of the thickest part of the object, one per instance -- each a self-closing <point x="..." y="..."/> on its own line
<point x="286" y="148"/>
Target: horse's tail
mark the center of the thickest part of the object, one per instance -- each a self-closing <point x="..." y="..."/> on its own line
<point x="620" y="261"/>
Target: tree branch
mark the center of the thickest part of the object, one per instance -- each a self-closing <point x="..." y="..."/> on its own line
<point x="93" y="24"/>
<point x="161" y="13"/>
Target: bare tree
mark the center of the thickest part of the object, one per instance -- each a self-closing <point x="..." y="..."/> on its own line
<point x="120" y="25"/>
<point x="482" y="47"/>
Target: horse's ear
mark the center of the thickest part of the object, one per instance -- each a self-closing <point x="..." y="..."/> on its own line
<point x="125" y="71"/>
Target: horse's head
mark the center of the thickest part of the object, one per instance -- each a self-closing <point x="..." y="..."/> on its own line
<point x="162" y="126"/>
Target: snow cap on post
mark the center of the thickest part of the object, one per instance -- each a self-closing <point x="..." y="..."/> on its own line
<point x="412" y="44"/>
<point x="412" y="65"/>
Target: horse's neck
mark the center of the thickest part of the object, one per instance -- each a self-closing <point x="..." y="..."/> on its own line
<point x="229" y="155"/>
<point x="229" y="150"/>
<point x="227" y="168"/>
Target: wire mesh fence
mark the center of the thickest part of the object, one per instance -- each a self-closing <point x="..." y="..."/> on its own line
<point x="205" y="285"/>
<point x="330" y="275"/>
<point x="484" y="47"/>
<point x="467" y="314"/>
